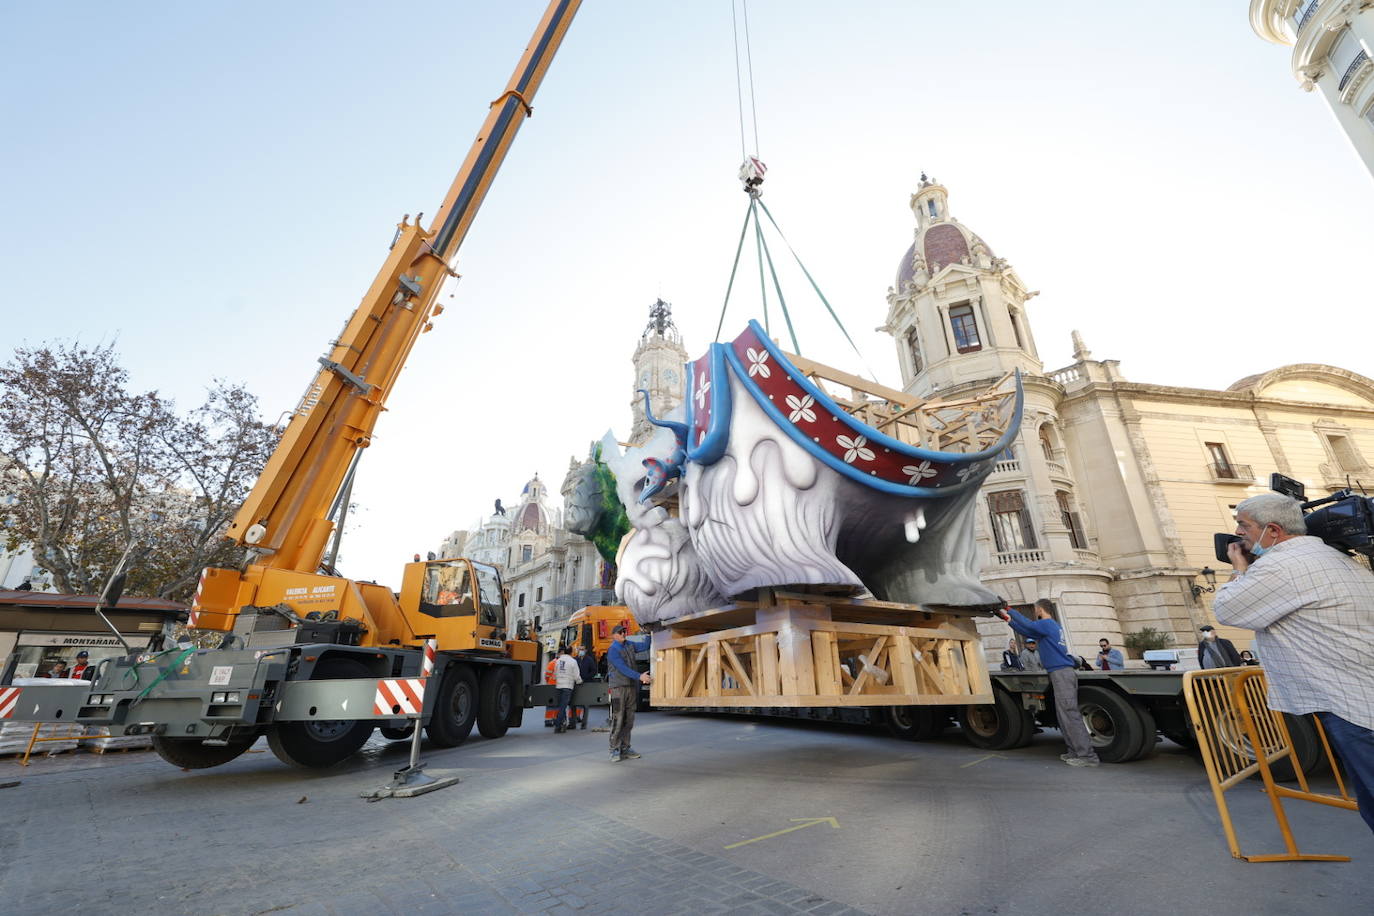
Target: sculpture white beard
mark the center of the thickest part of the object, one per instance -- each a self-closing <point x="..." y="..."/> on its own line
<point x="766" y="513"/>
<point x="660" y="575"/>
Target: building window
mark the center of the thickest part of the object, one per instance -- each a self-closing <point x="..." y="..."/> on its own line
<point x="1346" y="52"/>
<point x="913" y="345"/>
<point x="1071" y="520"/>
<point x="521" y="601"/>
<point x="930" y="206"/>
<point x="1221" y="462"/>
<point x="1011" y="523"/>
<point x="965" y="328"/>
<point x="539" y="593"/>
<point x="1016" y="329"/>
<point x="1303" y="12"/>
<point x="526" y="553"/>
<point x="1046" y="446"/>
<point x="1347" y="459"/>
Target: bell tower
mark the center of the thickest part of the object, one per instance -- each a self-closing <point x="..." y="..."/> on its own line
<point x="658" y="363"/>
<point x="957" y="311"/>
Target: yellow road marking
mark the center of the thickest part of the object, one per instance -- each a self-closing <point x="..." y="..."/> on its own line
<point x="810" y="822"/>
<point x="981" y="759"/>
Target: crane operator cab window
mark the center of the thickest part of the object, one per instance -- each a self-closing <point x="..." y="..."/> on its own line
<point x="492" y="608"/>
<point x="449" y="590"/>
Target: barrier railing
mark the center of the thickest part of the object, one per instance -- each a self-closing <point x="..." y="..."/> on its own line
<point x="1240" y="736"/>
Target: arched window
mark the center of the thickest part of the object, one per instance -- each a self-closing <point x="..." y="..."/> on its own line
<point x="1046" y="443"/>
<point x="965" y="328"/>
<point x="913" y="345"/>
<point x="1069" y="515"/>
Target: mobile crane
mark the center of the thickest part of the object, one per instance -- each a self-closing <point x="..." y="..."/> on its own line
<point x="305" y="650"/>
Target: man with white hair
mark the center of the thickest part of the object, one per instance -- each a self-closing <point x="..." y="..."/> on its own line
<point x="1312" y="610"/>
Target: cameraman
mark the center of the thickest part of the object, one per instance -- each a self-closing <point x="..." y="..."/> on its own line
<point x="1312" y="610"/>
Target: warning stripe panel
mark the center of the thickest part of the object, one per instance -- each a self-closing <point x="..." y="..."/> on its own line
<point x="9" y="698"/>
<point x="399" y="696"/>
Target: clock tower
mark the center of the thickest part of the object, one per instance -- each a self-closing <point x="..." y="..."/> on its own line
<point x="658" y="363"/>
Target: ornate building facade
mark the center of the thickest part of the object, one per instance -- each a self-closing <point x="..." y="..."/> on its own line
<point x="1333" y="43"/>
<point x="549" y="571"/>
<point x="1108" y="499"/>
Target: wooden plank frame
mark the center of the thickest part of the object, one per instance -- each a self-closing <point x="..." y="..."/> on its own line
<point x="795" y="650"/>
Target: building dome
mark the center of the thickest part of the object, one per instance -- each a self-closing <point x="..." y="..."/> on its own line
<point x="940" y="239"/>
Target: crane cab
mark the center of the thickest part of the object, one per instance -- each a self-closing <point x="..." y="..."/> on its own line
<point x="459" y="601"/>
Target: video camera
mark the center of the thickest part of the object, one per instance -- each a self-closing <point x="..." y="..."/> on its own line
<point x="1345" y="520"/>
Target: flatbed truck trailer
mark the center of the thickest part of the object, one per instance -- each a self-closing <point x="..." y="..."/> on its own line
<point x="1127" y="713"/>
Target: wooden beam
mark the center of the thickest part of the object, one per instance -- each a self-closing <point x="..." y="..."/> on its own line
<point x="734" y="662"/>
<point x="811" y="367"/>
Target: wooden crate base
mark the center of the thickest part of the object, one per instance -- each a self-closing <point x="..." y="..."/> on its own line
<point x="793" y="649"/>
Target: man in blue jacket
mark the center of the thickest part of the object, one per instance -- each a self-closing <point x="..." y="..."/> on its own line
<point x="624" y="681"/>
<point x="1054" y="655"/>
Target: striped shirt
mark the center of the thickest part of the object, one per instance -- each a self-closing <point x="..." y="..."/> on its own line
<point x="1312" y="610"/>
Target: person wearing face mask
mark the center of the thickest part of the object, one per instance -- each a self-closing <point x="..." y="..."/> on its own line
<point x="1312" y="610"/>
<point x="1215" y="652"/>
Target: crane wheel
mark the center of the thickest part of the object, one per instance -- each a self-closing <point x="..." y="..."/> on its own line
<point x="495" y="701"/>
<point x="191" y="754"/>
<point x="318" y="745"/>
<point x="456" y="708"/>
<point x="396" y="734"/>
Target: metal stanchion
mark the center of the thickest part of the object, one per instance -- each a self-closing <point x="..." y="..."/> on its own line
<point x="411" y="779"/>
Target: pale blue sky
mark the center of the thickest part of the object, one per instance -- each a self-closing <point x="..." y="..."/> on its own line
<point x="215" y="184"/>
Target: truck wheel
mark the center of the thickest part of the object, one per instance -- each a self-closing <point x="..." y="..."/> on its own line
<point x="1307" y="748"/>
<point x="318" y="745"/>
<point x="396" y="734"/>
<point x="456" y="708"/>
<point x="495" y="701"/>
<point x="191" y="754"/>
<point x="1114" y="724"/>
<point x="915" y="723"/>
<point x="1002" y="725"/>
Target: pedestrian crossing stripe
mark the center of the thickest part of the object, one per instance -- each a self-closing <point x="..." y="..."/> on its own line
<point x="9" y="698"/>
<point x="399" y="696"/>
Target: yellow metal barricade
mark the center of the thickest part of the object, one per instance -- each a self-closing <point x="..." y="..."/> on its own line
<point x="34" y="739"/>
<point x="1239" y="736"/>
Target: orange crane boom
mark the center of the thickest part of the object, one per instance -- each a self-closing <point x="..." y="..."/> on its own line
<point x="284" y="521"/>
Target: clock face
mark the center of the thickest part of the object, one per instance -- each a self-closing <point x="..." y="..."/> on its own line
<point x="670" y="378"/>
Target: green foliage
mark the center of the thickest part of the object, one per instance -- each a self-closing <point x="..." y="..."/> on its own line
<point x="1147" y="638"/>
<point x="613" y="525"/>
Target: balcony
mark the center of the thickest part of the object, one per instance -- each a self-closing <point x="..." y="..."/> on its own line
<point x="1020" y="557"/>
<point x="1087" y="556"/>
<point x="1057" y="469"/>
<point x="1066" y="376"/>
<point x="1306" y="14"/>
<point x="1231" y="473"/>
<point x="1360" y="60"/>
<point x="1007" y="467"/>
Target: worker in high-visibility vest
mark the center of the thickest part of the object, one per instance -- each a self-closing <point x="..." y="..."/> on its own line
<point x="551" y="713"/>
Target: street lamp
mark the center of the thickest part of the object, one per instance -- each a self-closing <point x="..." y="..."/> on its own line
<point x="1209" y="575"/>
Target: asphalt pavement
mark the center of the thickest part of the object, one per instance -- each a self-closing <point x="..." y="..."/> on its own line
<point x="721" y="815"/>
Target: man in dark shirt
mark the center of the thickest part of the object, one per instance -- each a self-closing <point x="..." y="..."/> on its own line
<point x="1215" y="652"/>
<point x="586" y="665"/>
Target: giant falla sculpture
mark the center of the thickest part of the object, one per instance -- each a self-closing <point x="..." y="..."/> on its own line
<point x="779" y="487"/>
